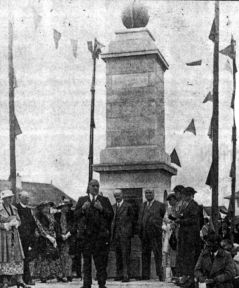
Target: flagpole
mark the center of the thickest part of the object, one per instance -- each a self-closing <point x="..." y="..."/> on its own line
<point x="234" y="141"/>
<point x="92" y="110"/>
<point x="215" y="122"/>
<point x="11" y="109"/>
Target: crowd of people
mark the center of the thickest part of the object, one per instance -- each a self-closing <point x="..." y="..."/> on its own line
<point x="50" y="241"/>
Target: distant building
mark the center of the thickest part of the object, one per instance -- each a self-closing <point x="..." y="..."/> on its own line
<point x="207" y="210"/>
<point x="39" y="191"/>
<point x="236" y="202"/>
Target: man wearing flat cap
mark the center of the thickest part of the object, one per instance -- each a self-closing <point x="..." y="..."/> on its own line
<point x="188" y="236"/>
<point x="27" y="232"/>
<point x="150" y="232"/>
<point x="94" y="215"/>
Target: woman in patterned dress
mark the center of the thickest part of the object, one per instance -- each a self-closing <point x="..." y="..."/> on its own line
<point x="65" y="221"/>
<point x="48" y="264"/>
<point x="11" y="252"/>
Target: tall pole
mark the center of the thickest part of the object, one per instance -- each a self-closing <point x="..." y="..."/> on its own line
<point x="234" y="143"/>
<point x="215" y="121"/>
<point x="92" y="121"/>
<point x="11" y="109"/>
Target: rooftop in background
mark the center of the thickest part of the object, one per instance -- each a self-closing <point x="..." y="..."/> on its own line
<point x="236" y="196"/>
<point x="39" y="192"/>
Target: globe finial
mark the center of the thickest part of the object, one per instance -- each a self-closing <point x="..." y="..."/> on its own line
<point x="135" y="15"/>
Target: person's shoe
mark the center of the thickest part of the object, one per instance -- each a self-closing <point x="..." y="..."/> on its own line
<point x="31" y="283"/>
<point x="60" y="279"/>
<point x="118" y="278"/>
<point x="43" y="280"/>
<point x="125" y="279"/>
<point x="69" y="279"/>
<point x="144" y="278"/>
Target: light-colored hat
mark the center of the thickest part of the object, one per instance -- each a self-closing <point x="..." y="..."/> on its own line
<point x="65" y="202"/>
<point x="6" y="193"/>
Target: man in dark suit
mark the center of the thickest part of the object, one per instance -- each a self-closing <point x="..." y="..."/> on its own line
<point x="94" y="215"/>
<point x="150" y="231"/>
<point x="122" y="231"/>
<point x="27" y="232"/>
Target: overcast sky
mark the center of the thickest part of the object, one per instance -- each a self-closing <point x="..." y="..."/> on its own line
<point x="53" y="94"/>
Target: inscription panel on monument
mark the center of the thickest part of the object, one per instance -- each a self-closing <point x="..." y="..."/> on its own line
<point x="130" y="80"/>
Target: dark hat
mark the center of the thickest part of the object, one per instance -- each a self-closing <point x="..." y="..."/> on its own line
<point x="178" y="188"/>
<point x="44" y="204"/>
<point x="170" y="196"/>
<point x="65" y="202"/>
<point x="188" y="191"/>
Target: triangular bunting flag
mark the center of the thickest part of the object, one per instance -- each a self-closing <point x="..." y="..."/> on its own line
<point x="36" y="18"/>
<point x="98" y="47"/>
<point x="212" y="35"/>
<point x="228" y="66"/>
<point x="208" y="98"/>
<point x="90" y="46"/>
<point x="195" y="63"/>
<point x="191" y="127"/>
<point x="234" y="66"/>
<point x="57" y="37"/>
<point x="228" y="51"/>
<point x="17" y="127"/>
<point x="209" y="180"/>
<point x="210" y="133"/>
<point x="74" y="44"/>
<point x="174" y="158"/>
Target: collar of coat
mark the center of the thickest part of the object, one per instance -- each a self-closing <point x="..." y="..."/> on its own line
<point x="207" y="252"/>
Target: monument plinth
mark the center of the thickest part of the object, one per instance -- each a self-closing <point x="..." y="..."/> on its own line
<point x="134" y="158"/>
<point x="135" y="155"/>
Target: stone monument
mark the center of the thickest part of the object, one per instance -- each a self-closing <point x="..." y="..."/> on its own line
<point x="134" y="158"/>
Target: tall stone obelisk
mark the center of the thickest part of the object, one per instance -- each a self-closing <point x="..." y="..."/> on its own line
<point x="135" y="157"/>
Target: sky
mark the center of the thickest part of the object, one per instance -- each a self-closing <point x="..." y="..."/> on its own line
<point x="52" y="100"/>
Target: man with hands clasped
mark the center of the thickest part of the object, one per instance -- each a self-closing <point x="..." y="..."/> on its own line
<point x="93" y="215"/>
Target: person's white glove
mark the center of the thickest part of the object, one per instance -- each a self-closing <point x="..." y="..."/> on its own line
<point x="54" y="244"/>
<point x="68" y="234"/>
<point x="7" y="226"/>
<point x="17" y="224"/>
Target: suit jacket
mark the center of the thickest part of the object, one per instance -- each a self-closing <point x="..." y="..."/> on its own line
<point x="125" y="216"/>
<point x="221" y="269"/>
<point x="28" y="225"/>
<point x="153" y="227"/>
<point x="93" y="224"/>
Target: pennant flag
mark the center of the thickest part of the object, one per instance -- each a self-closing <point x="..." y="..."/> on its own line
<point x="210" y="133"/>
<point x="208" y="98"/>
<point x="18" y="130"/>
<point x="234" y="66"/>
<point x="228" y="66"/>
<point x="57" y="37"/>
<point x="74" y="44"/>
<point x="98" y="47"/>
<point x="209" y="180"/>
<point x="195" y="63"/>
<point x="233" y="100"/>
<point x="90" y="46"/>
<point x="228" y="51"/>
<point x="232" y="171"/>
<point x="14" y="80"/>
<point x="191" y="127"/>
<point x="174" y="158"/>
<point x="36" y="18"/>
<point x="212" y="35"/>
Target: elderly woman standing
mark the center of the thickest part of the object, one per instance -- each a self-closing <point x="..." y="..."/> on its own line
<point x="11" y="252"/>
<point x="48" y="263"/>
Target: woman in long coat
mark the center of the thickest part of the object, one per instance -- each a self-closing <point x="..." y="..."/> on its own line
<point x="48" y="264"/>
<point x="65" y="220"/>
<point x="11" y="252"/>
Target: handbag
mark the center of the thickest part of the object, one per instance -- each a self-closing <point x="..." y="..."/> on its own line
<point x="173" y="241"/>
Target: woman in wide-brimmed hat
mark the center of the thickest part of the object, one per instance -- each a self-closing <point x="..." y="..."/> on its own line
<point x="66" y="242"/>
<point x="11" y="252"/>
<point x="48" y="263"/>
